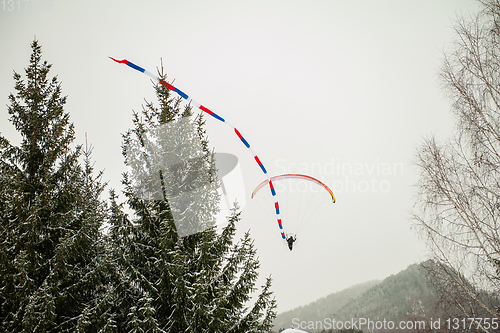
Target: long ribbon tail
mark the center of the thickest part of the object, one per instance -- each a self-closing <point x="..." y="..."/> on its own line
<point x="219" y="118"/>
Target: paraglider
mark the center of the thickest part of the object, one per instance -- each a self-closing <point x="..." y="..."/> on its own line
<point x="290" y="240"/>
<point x="216" y="116"/>
<point x="303" y="198"/>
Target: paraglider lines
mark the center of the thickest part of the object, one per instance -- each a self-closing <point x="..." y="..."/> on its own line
<point x="216" y="116"/>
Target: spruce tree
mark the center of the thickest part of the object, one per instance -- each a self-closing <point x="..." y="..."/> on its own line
<point x="50" y="213"/>
<point x="169" y="282"/>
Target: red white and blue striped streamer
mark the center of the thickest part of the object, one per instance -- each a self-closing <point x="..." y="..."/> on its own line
<point x="216" y="116"/>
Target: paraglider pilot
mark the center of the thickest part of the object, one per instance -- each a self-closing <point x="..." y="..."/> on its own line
<point x="290" y="240"/>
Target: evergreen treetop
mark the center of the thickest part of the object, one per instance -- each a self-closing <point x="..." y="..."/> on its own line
<point x="51" y="212"/>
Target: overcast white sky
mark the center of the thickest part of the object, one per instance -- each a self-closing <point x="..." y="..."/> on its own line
<point x="341" y="90"/>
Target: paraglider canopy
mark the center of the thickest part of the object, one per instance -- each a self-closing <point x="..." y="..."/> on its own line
<point x="302" y="199"/>
<point x="295" y="176"/>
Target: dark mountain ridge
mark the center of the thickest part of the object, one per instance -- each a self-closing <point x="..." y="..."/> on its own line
<point x="405" y="296"/>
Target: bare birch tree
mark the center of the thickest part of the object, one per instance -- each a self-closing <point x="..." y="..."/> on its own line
<point x="458" y="193"/>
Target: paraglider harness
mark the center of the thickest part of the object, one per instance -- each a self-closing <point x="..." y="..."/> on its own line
<point x="290" y="240"/>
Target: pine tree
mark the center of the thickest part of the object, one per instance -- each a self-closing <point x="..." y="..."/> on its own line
<point x="50" y="213"/>
<point x="170" y="279"/>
